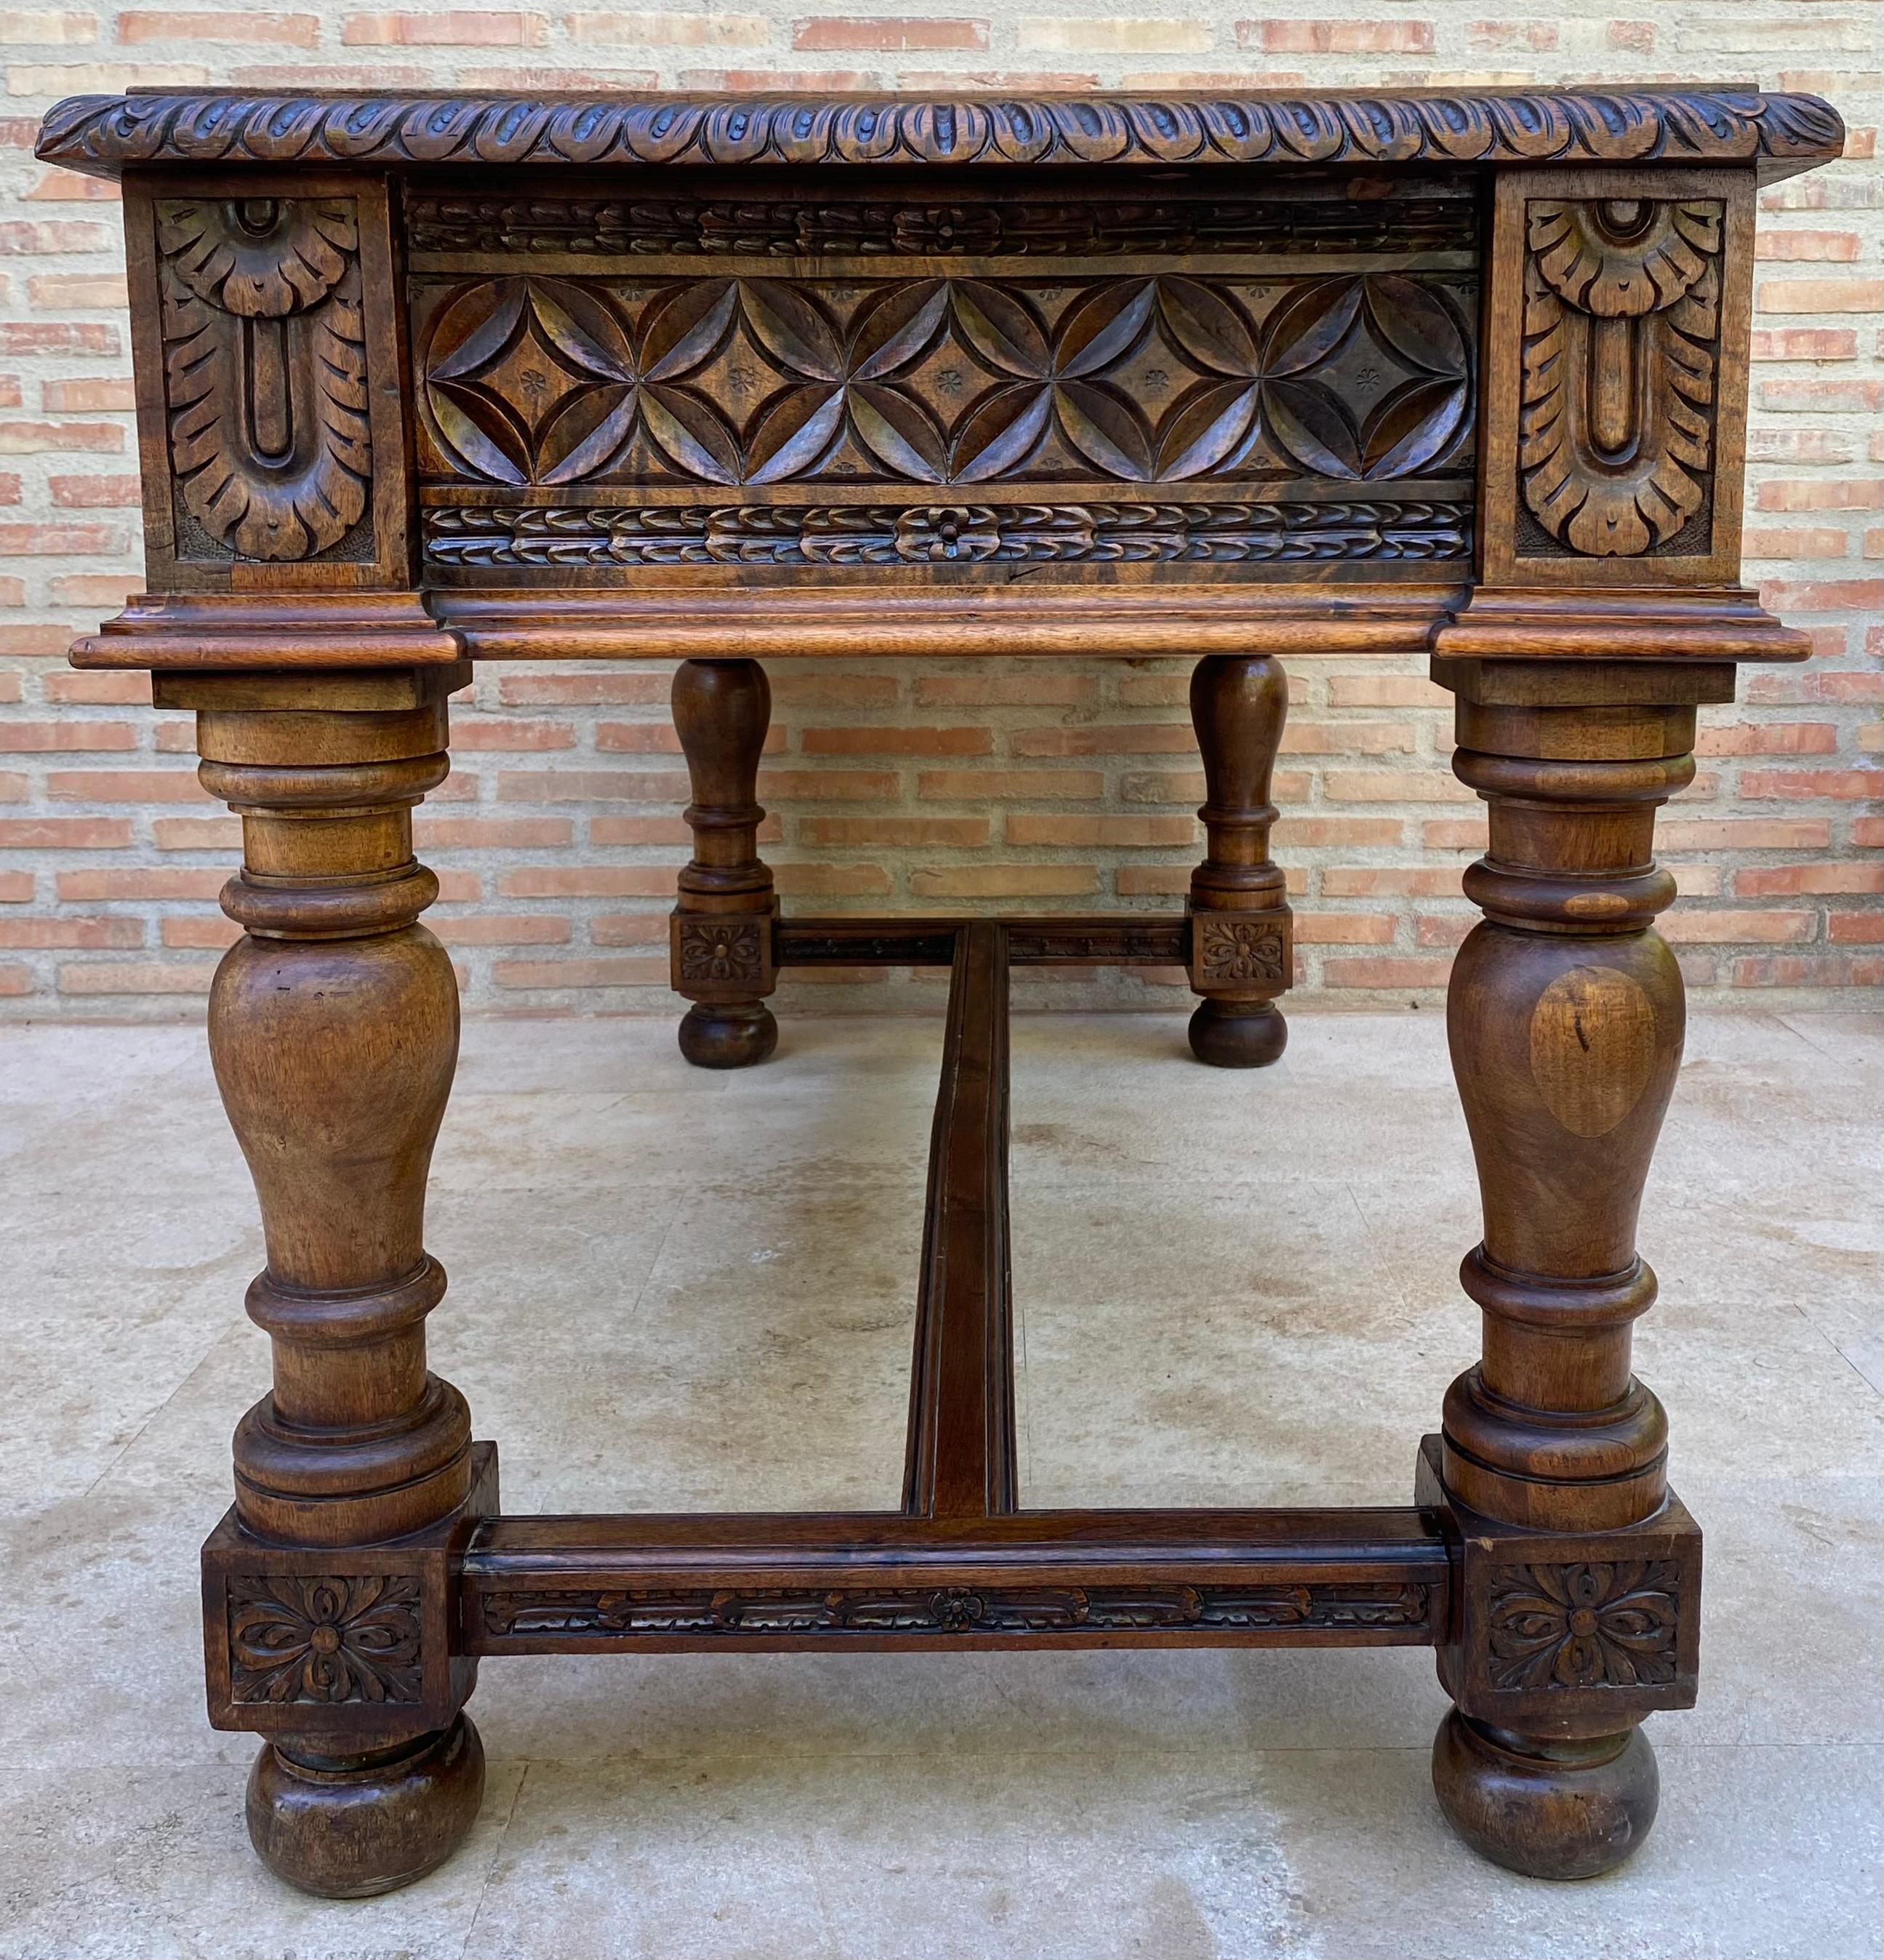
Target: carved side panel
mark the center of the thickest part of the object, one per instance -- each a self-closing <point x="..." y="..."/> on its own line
<point x="1616" y="378"/>
<point x="267" y="342"/>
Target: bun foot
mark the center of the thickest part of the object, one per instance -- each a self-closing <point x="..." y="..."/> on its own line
<point x="728" y="1037"/>
<point x="1237" y="1034"/>
<point x="346" y="1826"/>
<point x="1549" y="1809"/>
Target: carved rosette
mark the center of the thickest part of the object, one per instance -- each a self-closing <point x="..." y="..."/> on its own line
<point x="1586" y="1625"/>
<point x="1240" y="951"/>
<point x="293" y="1639"/>
<point x="1621" y="345"/>
<point x="715" y="953"/>
<point x="264" y="371"/>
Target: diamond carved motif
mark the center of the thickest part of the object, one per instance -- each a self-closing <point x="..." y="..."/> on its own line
<point x="1364" y="377"/>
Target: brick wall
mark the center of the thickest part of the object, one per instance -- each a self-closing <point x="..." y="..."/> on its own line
<point x="941" y="786"/>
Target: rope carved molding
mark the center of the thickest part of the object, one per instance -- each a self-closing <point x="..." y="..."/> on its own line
<point x="1491" y="126"/>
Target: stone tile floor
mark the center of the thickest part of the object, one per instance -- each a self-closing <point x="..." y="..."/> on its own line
<point x="672" y="1290"/>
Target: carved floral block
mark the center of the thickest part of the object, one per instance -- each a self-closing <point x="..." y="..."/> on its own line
<point x="1233" y="951"/>
<point x="324" y="1639"/>
<point x="1600" y="1623"/>
<point x="715" y="956"/>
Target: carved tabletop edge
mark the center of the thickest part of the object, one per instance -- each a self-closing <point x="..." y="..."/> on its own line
<point x="1780" y="133"/>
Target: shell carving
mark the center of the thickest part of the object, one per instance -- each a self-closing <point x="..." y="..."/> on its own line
<point x="266" y="370"/>
<point x="1622" y="322"/>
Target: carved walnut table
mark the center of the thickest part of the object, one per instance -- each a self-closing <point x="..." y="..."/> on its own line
<point x="425" y="381"/>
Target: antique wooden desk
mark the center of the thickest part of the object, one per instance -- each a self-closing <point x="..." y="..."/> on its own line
<point x="423" y="381"/>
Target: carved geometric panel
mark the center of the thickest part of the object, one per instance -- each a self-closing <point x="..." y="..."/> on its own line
<point x="1352" y="378"/>
<point x="1232" y="951"/>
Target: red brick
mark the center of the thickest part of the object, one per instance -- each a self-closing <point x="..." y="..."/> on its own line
<point x="1820" y="493"/>
<point x="584" y="690"/>
<point x="809" y="684"/>
<point x="1795" y="970"/>
<point x="27" y="337"/>
<point x="1424" y="882"/>
<point x="1456" y="833"/>
<point x="1634" y="37"/>
<point x="93" y="935"/>
<point x="51" y="235"/>
<point x="98" y="690"/>
<point x="1102" y="832"/>
<point x="124" y="785"/>
<point x="1743" y="833"/>
<point x="1336" y="37"/>
<point x="1394" y="786"/>
<point x="1768" y="738"/>
<point x="866" y="740"/>
<point x="619" y="830"/>
<point x="592" y="786"/>
<point x="64" y="833"/>
<point x="899" y="833"/>
<point x="1779" y="542"/>
<point x="1386" y="973"/>
<point x="537" y="975"/>
<point x="107" y="392"/>
<point x="15" y="981"/>
<point x="1803" y="343"/>
<point x="1036" y="684"/>
<point x="829" y="34"/>
<point x="469" y="733"/>
<point x="497" y="929"/>
<point x="439" y="833"/>
<point x="1529" y="36"/>
<point x="294" y="30"/>
<point x="589" y="881"/>
<point x="17" y="888"/>
<point x="1327" y="928"/>
<point x="1385" y="691"/>
<point x="828" y="786"/>
<point x="1152" y="881"/>
<point x="204" y="931"/>
<point x="1857" y="595"/>
<point x="629" y="929"/>
<point x="443" y="30"/>
<point x="832" y="881"/>
<point x="1822" y="397"/>
<point x="60" y="540"/>
<point x="1696" y="926"/>
<point x="1167" y="738"/>
<point x="1000" y="785"/>
<point x="654" y="738"/>
<point x="1825" y="246"/>
<point x="1792" y="784"/>
<point x="1820" y="296"/>
<point x="1311" y="833"/>
<point x="1864" y="928"/>
<point x="192" y="976"/>
<point x="63" y="737"/>
<point x="95" y="493"/>
<point x="1005" y="881"/>
<point x="162" y="882"/>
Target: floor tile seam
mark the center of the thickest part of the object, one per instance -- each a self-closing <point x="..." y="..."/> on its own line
<point x="232" y="1325"/>
<point x="497" y="1854"/>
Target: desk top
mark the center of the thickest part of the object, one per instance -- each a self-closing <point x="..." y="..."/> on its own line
<point x="644" y="376"/>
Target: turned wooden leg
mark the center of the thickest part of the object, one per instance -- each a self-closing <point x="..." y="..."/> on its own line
<point x="723" y="924"/>
<point x="333" y="1026"/>
<point x="1576" y="1612"/>
<point x="1242" y="956"/>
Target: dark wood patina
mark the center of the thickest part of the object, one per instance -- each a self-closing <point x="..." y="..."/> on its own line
<point x="428" y="381"/>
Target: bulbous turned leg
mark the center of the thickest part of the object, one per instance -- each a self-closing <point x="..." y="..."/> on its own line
<point x="1577" y="1571"/>
<point x="1237" y="1034"/>
<point x="728" y="1035"/>
<point x="1240" y="954"/>
<point x="333" y="1024"/>
<point x="1549" y="1809"/>
<point x="351" y="1825"/>
<point x="723" y="921"/>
